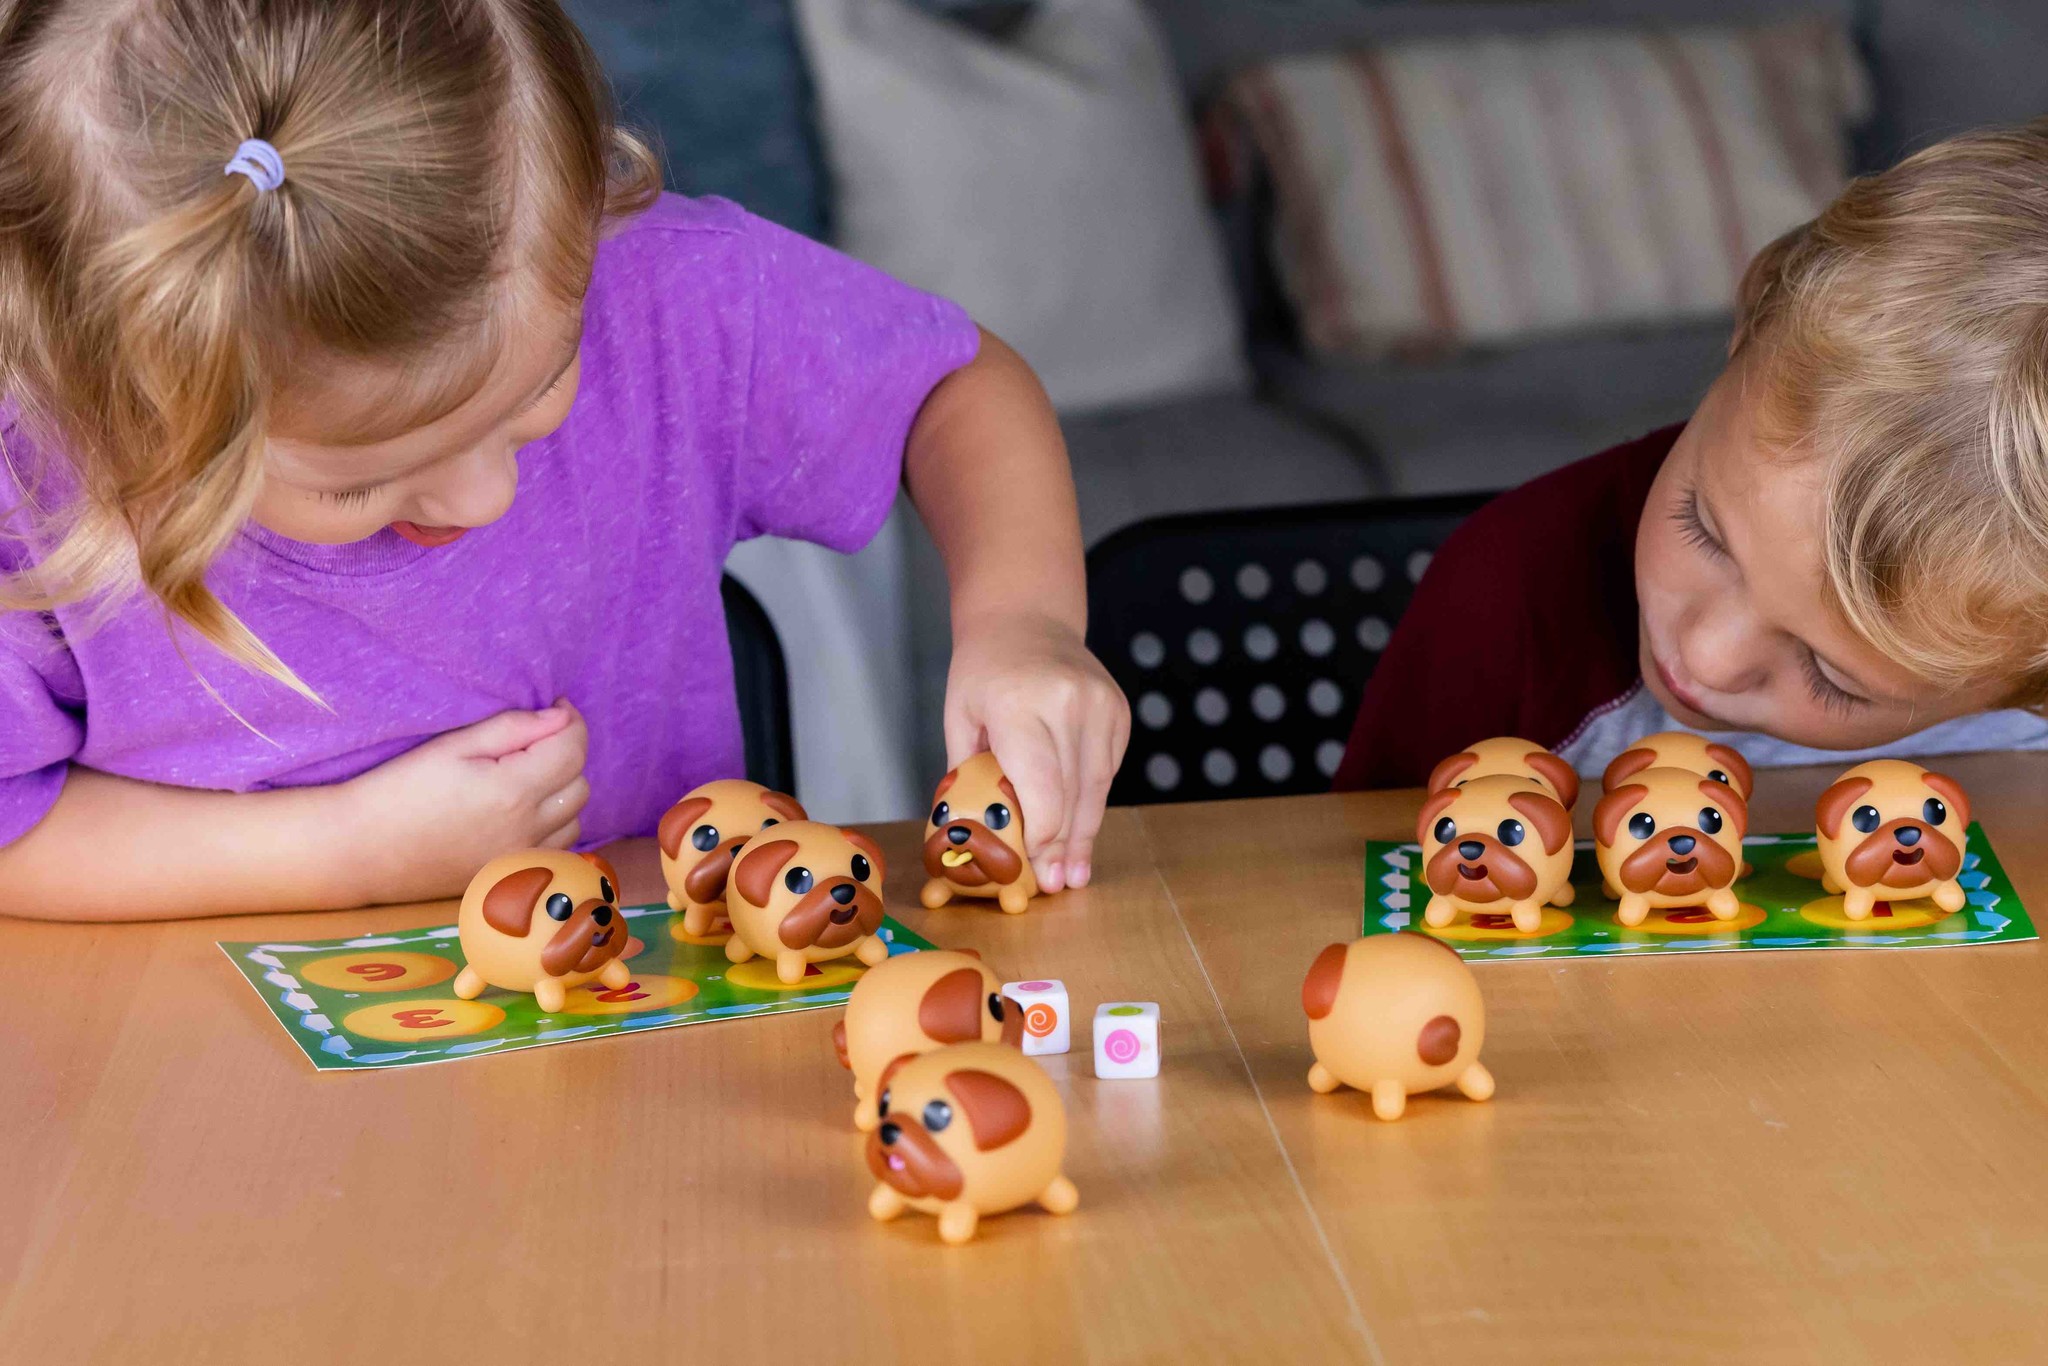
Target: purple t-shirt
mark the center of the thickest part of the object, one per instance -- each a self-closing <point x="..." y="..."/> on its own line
<point x="738" y="380"/>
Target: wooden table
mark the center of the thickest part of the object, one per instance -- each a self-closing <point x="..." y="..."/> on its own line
<point x="1829" y="1157"/>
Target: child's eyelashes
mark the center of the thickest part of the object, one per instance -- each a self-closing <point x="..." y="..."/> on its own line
<point x="1693" y="527"/>
<point x="1831" y="695"/>
<point x="349" y="497"/>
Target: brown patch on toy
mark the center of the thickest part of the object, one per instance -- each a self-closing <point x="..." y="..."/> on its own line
<point x="950" y="1011"/>
<point x="1325" y="975"/>
<point x="676" y="823"/>
<point x="508" y="906"/>
<point x="755" y="877"/>
<point x="996" y="1110"/>
<point x="1437" y="1044"/>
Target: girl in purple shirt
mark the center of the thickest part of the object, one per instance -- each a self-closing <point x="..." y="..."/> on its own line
<point x="376" y="434"/>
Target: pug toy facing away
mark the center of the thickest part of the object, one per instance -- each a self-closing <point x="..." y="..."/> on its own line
<point x="699" y="836"/>
<point x="1393" y="1015"/>
<point x="1682" y="749"/>
<point x="1890" y="830"/>
<point x="1497" y="844"/>
<point x="543" y="921"/>
<point x="804" y="892"/>
<point x="1669" y="837"/>
<point x="914" y="1003"/>
<point x="968" y="1130"/>
<point x="975" y="844"/>
<point x="1512" y="755"/>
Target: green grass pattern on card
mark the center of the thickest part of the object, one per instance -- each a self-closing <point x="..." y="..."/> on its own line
<point x="1784" y="908"/>
<point x="384" y="1001"/>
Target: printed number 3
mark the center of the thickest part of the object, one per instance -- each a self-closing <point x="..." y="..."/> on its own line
<point x="422" y="1019"/>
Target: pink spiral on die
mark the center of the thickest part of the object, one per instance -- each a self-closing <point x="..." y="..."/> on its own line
<point x="1121" y="1046"/>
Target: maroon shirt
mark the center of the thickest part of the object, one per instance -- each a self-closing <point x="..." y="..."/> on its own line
<point x="1524" y="625"/>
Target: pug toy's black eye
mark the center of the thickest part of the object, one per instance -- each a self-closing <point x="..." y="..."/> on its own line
<point x="1710" y="820"/>
<point x="1865" y="818"/>
<point x="770" y="821"/>
<point x="937" y="1115"/>
<point x="861" y="868"/>
<point x="996" y="817"/>
<point x="604" y="888"/>
<point x="941" y="814"/>
<point x="1933" y="811"/>
<point x="995" y="1007"/>
<point x="1717" y="775"/>
<point x="1510" y="833"/>
<point x="704" y="838"/>
<point x="1445" y="831"/>
<point x="798" y="880"/>
<point x="882" y="1103"/>
<point x="559" y="907"/>
<point x="1642" y="825"/>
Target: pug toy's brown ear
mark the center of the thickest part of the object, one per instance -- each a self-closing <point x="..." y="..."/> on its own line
<point x="1731" y="804"/>
<point x="676" y="823"/>
<point x="870" y="848"/>
<point x="1741" y="776"/>
<point x="784" y="805"/>
<point x="1958" y="801"/>
<point x="1607" y="815"/>
<point x="1551" y="820"/>
<point x="1325" y="975"/>
<point x="996" y="1110"/>
<point x="950" y="1010"/>
<point x="1627" y="764"/>
<point x="1446" y="772"/>
<point x="1431" y="809"/>
<point x="1557" y="773"/>
<point x="1835" y="803"/>
<point x="754" y="878"/>
<point x="508" y="906"/>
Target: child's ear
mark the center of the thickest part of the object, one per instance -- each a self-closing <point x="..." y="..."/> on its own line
<point x="1835" y="803"/>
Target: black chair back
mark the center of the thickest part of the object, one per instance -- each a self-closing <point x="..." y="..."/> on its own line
<point x="761" y="677"/>
<point x="1243" y="639"/>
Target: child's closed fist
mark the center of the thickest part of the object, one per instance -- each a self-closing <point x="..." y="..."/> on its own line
<point x="1029" y="690"/>
<point x="427" y="820"/>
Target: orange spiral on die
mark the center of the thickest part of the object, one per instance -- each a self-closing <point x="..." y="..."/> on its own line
<point x="1040" y="1019"/>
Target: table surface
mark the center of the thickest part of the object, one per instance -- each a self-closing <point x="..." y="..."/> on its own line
<point x="1767" y="1157"/>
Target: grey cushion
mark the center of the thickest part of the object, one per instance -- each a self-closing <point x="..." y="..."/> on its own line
<point x="723" y="86"/>
<point x="1493" y="420"/>
<point x="1206" y="454"/>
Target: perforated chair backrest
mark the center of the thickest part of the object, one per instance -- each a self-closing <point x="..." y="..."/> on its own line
<point x="761" y="677"/>
<point x="1243" y="639"/>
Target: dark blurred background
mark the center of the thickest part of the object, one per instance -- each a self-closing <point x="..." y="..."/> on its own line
<point x="1272" y="252"/>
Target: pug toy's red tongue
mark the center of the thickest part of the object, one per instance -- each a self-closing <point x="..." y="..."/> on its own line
<point x="432" y="537"/>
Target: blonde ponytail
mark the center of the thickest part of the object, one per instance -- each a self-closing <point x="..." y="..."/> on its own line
<point x="151" y="304"/>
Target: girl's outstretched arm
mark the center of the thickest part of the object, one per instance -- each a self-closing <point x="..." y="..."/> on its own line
<point x="988" y="471"/>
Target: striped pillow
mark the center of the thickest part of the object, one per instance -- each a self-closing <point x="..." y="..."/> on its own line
<point x="1443" y="192"/>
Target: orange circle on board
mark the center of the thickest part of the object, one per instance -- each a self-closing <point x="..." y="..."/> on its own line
<point x="1696" y="920"/>
<point x="412" y="1021"/>
<point x="647" y="991"/>
<point x="1886" y="915"/>
<point x="1806" y="863"/>
<point x="721" y="930"/>
<point x="378" y="970"/>
<point x="758" y="974"/>
<point x="1477" y="926"/>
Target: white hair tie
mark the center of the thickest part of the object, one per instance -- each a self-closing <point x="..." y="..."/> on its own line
<point x="259" y="161"/>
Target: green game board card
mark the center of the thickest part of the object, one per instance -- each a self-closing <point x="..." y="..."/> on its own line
<point x="388" y="1000"/>
<point x="1783" y="908"/>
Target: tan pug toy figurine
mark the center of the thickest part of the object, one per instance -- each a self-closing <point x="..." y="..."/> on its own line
<point x="1498" y="843"/>
<point x="542" y="920"/>
<point x="968" y="1130"/>
<point x="699" y="836"/>
<point x="1393" y="1015"/>
<point x="1513" y="755"/>
<point x="975" y="844"/>
<point x="914" y="1003"/>
<point x="805" y="892"/>
<point x="1890" y="830"/>
<point x="1668" y="837"/>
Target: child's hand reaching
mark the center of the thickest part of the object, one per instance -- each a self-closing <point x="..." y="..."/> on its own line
<point x="1028" y="689"/>
<point x="427" y="820"/>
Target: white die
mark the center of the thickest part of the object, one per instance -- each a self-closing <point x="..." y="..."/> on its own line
<point x="1127" y="1039"/>
<point x="1045" y="1015"/>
